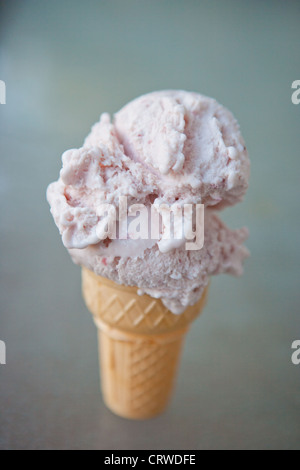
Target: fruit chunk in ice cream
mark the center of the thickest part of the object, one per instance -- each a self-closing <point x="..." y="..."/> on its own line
<point x="162" y="148"/>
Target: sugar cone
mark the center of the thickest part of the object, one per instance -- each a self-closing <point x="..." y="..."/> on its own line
<point x="140" y="342"/>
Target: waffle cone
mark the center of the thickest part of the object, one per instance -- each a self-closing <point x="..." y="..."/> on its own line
<point x="140" y="342"/>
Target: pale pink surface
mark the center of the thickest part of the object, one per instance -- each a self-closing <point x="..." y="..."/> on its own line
<point x="162" y="147"/>
<point x="177" y="277"/>
<point x="190" y="142"/>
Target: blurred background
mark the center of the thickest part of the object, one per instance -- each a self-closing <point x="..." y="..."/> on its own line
<point x="66" y="61"/>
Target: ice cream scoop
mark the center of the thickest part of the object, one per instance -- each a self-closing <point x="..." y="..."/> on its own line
<point x="190" y="142"/>
<point x="164" y="147"/>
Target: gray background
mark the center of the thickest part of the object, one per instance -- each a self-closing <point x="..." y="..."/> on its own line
<point x="64" y="62"/>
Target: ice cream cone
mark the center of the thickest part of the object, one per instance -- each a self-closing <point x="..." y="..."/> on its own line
<point x="140" y="342"/>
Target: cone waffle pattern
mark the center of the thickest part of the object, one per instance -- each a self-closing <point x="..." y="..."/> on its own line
<point x="121" y="308"/>
<point x="140" y="342"/>
<point x="138" y="377"/>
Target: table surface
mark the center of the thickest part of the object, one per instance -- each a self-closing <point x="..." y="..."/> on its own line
<point x="63" y="64"/>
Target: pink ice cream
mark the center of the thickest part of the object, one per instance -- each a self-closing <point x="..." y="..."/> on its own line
<point x="162" y="148"/>
<point x="190" y="142"/>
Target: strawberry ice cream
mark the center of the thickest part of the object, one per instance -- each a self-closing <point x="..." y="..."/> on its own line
<point x="168" y="147"/>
